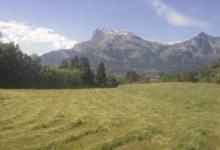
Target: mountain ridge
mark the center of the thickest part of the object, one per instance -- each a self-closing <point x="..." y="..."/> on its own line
<point x="122" y="50"/>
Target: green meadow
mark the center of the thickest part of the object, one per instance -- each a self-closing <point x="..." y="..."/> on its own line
<point x="169" y="116"/>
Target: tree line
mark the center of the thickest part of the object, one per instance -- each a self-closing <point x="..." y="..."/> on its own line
<point x="208" y="74"/>
<point x="132" y="77"/>
<point x="19" y="70"/>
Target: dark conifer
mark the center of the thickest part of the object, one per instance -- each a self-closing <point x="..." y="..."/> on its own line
<point x="74" y="62"/>
<point x="101" y="75"/>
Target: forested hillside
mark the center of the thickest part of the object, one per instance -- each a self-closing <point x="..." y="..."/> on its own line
<point x="209" y="73"/>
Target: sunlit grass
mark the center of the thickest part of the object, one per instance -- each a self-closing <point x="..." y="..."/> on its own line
<point x="152" y="116"/>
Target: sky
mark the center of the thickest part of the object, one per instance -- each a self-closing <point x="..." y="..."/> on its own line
<point x="40" y="26"/>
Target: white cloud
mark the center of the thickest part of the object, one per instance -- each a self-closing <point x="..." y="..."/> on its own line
<point x="56" y="44"/>
<point x="176" y="18"/>
<point x="21" y="33"/>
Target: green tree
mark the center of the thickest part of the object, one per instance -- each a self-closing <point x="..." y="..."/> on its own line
<point x="145" y="79"/>
<point x="87" y="76"/>
<point x="111" y="81"/>
<point x="85" y="70"/>
<point x="11" y="62"/>
<point x="85" y="61"/>
<point x="36" y="59"/>
<point x="177" y="77"/>
<point x="131" y="76"/>
<point x="16" y="68"/>
<point x="63" y="65"/>
<point x="190" y="76"/>
<point x="101" y="75"/>
<point x="160" y="74"/>
<point x="216" y="79"/>
<point x="74" y="62"/>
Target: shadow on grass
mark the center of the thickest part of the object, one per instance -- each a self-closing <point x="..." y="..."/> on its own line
<point x="47" y="86"/>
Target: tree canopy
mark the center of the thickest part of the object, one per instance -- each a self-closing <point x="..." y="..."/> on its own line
<point x="19" y="70"/>
<point x="209" y="73"/>
<point x="101" y="75"/>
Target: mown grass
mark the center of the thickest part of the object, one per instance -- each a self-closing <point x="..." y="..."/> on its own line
<point x="166" y="116"/>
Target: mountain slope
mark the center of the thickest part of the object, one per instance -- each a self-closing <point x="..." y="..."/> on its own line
<point x="122" y="50"/>
<point x="210" y="73"/>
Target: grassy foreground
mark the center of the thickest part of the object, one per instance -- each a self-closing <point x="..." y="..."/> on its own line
<point x="153" y="116"/>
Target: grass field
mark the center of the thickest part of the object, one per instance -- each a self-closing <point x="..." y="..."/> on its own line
<point x="170" y="116"/>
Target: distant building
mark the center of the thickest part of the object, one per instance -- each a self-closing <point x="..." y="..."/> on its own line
<point x="118" y="77"/>
<point x="154" y="79"/>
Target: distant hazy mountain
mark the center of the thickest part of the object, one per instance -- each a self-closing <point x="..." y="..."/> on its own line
<point x="122" y="50"/>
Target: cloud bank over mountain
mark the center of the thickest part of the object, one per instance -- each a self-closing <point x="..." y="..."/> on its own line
<point x="22" y="33"/>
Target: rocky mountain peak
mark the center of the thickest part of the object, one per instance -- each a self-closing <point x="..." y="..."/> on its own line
<point x="203" y="35"/>
<point x="96" y="33"/>
<point x="122" y="50"/>
<point x="104" y="32"/>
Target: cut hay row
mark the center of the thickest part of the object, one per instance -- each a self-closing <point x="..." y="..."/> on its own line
<point x="153" y="116"/>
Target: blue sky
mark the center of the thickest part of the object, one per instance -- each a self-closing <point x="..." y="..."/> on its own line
<point x="41" y="26"/>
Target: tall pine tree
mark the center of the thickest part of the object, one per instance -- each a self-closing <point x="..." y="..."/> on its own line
<point x="74" y="62"/>
<point x="87" y="76"/>
<point x="63" y="65"/>
<point x="101" y="75"/>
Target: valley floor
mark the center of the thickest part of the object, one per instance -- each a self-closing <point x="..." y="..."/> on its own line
<point x="143" y="116"/>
